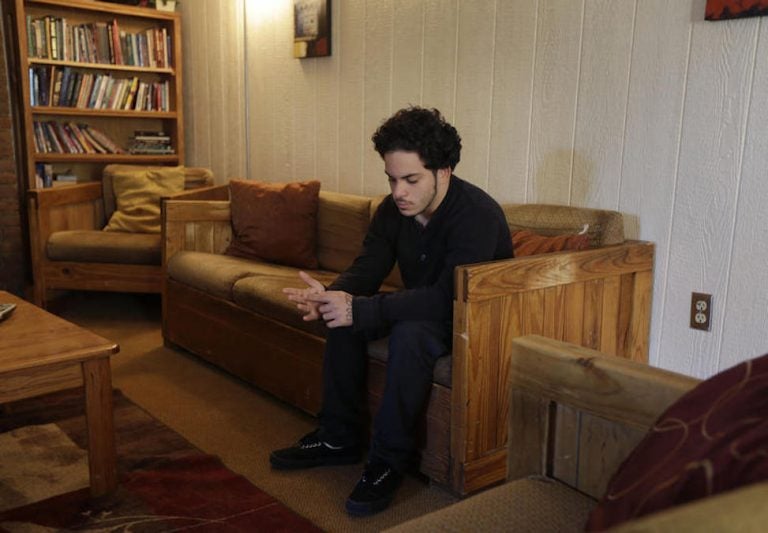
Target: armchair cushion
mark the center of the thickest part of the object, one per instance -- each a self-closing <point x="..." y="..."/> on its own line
<point x="90" y="246"/>
<point x="138" y="192"/>
<point x="275" y="221"/>
<point x="712" y="440"/>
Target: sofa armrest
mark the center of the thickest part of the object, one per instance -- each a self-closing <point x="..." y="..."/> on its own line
<point x="598" y="298"/>
<point x="498" y="278"/>
<point x="196" y="225"/>
<point x="575" y="413"/>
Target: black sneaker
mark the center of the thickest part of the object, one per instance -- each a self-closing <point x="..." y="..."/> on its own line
<point x="375" y="490"/>
<point x="312" y="451"/>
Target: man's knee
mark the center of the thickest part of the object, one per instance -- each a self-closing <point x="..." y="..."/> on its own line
<point x="419" y="339"/>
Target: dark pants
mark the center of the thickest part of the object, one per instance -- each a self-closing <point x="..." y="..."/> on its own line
<point x="414" y="347"/>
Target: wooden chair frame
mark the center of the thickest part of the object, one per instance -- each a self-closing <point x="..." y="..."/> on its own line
<point x="79" y="207"/>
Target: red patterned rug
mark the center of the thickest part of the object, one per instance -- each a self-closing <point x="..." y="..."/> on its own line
<point x="166" y="484"/>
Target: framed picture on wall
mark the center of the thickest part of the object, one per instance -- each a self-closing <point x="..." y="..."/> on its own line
<point x="311" y="28"/>
<point x="731" y="9"/>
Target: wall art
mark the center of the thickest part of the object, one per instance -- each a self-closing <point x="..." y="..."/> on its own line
<point x="311" y="28"/>
<point x="731" y="9"/>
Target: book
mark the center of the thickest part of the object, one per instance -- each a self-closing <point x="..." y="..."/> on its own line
<point x="131" y="93"/>
<point x="105" y="141"/>
<point x="64" y="88"/>
<point x="96" y="144"/>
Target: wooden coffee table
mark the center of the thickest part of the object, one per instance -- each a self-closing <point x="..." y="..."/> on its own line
<point x="41" y="353"/>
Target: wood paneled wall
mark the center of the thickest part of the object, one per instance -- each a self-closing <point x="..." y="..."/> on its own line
<point x="636" y="105"/>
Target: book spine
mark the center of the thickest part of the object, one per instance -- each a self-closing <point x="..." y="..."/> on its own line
<point x="104" y="140"/>
<point x="50" y="130"/>
<point x="96" y="144"/>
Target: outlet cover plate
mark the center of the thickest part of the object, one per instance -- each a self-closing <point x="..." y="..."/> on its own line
<point x="701" y="311"/>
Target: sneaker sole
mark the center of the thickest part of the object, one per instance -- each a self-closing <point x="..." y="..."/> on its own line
<point x="281" y="464"/>
<point x="368" y="508"/>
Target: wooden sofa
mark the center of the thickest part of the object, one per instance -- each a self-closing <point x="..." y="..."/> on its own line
<point x="598" y="298"/>
<point x="574" y="416"/>
<point x="69" y="251"/>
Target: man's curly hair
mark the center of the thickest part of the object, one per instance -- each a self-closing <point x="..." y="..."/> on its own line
<point x="420" y="130"/>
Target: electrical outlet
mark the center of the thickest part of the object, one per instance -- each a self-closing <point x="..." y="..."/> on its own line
<point x="701" y="310"/>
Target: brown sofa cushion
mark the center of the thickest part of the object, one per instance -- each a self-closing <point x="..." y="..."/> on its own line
<point x="526" y="242"/>
<point x="275" y="221"/>
<point x="713" y="439"/>
<point x="263" y="294"/>
<point x="95" y="246"/>
<point x="214" y="274"/>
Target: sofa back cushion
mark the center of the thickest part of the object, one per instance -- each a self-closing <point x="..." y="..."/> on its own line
<point x="342" y="221"/>
<point x="604" y="227"/>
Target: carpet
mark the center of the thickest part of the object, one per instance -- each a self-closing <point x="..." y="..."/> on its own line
<point x="166" y="484"/>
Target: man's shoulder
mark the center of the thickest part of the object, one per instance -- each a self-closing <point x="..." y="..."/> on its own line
<point x="472" y="196"/>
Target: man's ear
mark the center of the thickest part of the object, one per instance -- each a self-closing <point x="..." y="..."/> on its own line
<point x="444" y="173"/>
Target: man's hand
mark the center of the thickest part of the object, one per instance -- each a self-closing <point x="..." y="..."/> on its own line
<point x="335" y="307"/>
<point x="300" y="296"/>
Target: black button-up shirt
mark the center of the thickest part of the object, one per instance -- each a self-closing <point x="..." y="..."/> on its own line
<point x="468" y="227"/>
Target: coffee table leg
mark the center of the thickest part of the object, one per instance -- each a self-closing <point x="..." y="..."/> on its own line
<point x="102" y="456"/>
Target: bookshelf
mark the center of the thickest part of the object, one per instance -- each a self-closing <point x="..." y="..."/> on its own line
<point x="92" y="74"/>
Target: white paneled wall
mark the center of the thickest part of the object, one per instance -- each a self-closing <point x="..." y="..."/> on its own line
<point x="634" y="105"/>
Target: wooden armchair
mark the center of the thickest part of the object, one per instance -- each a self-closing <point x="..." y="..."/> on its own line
<point x="69" y="250"/>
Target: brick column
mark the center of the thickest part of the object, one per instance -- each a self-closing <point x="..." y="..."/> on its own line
<point x="13" y="255"/>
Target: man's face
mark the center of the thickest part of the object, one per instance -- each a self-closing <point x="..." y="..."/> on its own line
<point x="417" y="191"/>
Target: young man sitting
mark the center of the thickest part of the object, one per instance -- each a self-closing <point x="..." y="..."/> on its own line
<point x="430" y="223"/>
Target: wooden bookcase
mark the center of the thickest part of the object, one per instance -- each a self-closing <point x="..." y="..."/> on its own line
<point x="127" y="56"/>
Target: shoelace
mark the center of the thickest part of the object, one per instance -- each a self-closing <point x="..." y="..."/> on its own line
<point x="381" y="478"/>
<point x="305" y="445"/>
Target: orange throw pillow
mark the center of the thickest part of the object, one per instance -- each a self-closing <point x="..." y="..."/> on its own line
<point x="526" y="242"/>
<point x="275" y="222"/>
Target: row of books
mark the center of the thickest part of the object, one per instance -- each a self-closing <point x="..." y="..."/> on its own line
<point x="51" y="86"/>
<point x="71" y="138"/>
<point x="52" y="37"/>
<point x="150" y="142"/>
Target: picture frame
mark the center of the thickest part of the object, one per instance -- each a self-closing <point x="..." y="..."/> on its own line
<point x="731" y="9"/>
<point x="311" y="28"/>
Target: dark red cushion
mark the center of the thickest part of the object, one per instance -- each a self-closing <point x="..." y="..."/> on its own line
<point x="527" y="242"/>
<point x="713" y="439"/>
<point x="275" y="221"/>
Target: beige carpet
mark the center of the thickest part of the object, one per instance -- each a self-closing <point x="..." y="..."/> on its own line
<point x="224" y="416"/>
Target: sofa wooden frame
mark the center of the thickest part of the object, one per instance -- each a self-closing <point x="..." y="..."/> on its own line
<point x="599" y="298"/>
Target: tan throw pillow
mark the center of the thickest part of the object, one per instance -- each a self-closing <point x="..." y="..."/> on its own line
<point x="526" y="242"/>
<point x="138" y="193"/>
<point x="275" y="221"/>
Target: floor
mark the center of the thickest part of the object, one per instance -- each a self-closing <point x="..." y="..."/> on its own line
<point x="222" y="415"/>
